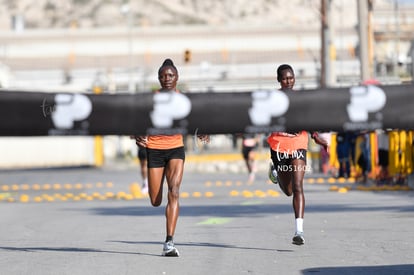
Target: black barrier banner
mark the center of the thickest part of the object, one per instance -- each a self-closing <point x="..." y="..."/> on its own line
<point x="260" y="111"/>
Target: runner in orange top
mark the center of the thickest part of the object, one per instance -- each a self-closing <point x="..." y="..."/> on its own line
<point x="166" y="155"/>
<point x="288" y="154"/>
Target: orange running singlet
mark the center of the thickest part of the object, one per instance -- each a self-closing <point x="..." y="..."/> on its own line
<point x="288" y="143"/>
<point x="165" y="142"/>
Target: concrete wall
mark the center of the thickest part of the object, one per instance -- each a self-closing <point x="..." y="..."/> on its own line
<point x="34" y="152"/>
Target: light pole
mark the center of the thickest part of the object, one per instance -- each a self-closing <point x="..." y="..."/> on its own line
<point x="397" y="37"/>
<point x="363" y="38"/>
<point x="328" y="51"/>
<point x="126" y="10"/>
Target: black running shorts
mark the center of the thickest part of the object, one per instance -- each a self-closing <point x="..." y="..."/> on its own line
<point x="246" y="150"/>
<point x="142" y="153"/>
<point x="159" y="157"/>
<point x="283" y="162"/>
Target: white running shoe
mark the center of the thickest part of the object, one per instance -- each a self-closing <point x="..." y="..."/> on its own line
<point x="169" y="250"/>
<point x="252" y="176"/>
<point x="144" y="189"/>
<point x="298" y="239"/>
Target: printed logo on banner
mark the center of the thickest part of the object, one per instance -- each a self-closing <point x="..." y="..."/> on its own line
<point x="267" y="104"/>
<point x="167" y="108"/>
<point x="68" y="109"/>
<point x="365" y="100"/>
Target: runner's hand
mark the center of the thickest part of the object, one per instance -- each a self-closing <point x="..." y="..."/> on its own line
<point x="141" y="140"/>
<point x="204" y="138"/>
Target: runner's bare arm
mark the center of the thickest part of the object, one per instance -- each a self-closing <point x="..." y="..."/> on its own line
<point x="322" y="142"/>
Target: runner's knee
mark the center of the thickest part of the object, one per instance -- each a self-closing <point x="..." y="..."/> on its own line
<point x="156" y="202"/>
<point x="174" y="192"/>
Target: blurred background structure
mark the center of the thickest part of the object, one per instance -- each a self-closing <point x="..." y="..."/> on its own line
<point x="217" y="44"/>
<point x="117" y="46"/>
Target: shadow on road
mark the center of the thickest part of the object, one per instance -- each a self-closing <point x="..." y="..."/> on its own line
<point x="205" y="244"/>
<point x="244" y="210"/>
<point x="67" y="249"/>
<point x="366" y="270"/>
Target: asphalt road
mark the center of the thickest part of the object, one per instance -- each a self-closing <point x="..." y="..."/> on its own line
<point x="93" y="221"/>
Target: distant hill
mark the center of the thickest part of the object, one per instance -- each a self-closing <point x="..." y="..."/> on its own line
<point x="100" y="13"/>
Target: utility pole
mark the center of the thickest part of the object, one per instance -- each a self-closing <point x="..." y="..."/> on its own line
<point x="126" y="10"/>
<point x="328" y="52"/>
<point x="324" y="27"/>
<point x="412" y="61"/>
<point x="363" y="39"/>
<point x="372" y="63"/>
<point x="397" y="37"/>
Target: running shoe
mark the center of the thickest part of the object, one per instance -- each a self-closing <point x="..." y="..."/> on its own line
<point x="273" y="174"/>
<point x="251" y="177"/>
<point x="298" y="239"/>
<point x="169" y="250"/>
<point x="144" y="189"/>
